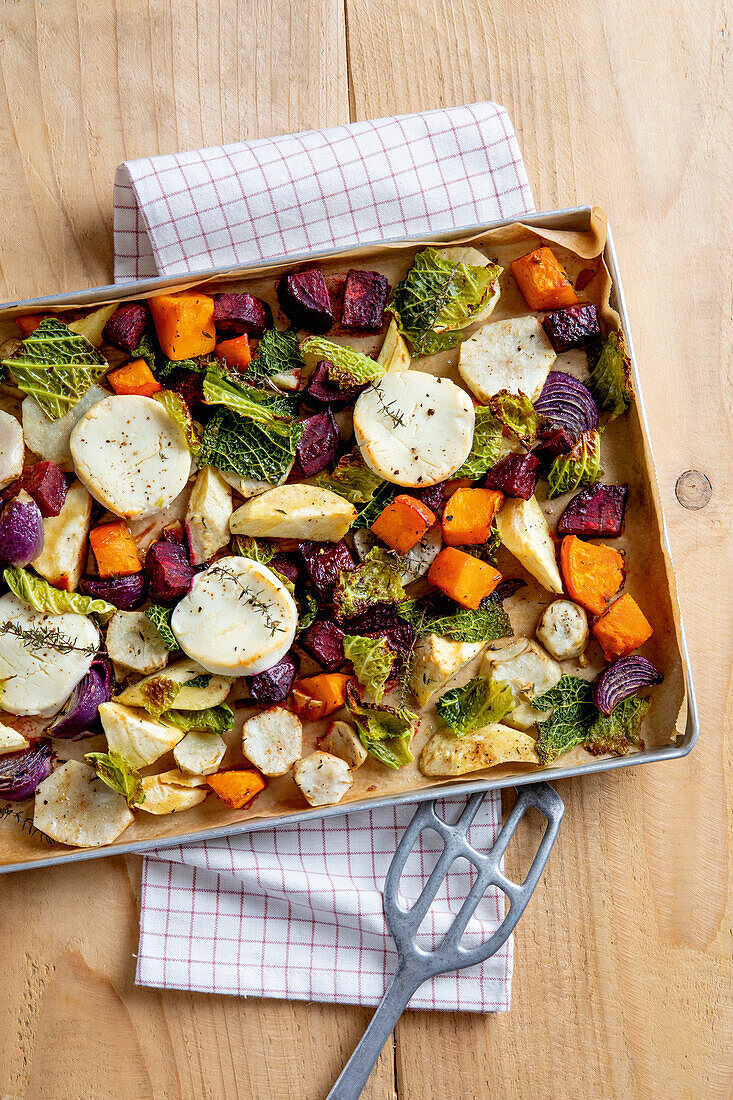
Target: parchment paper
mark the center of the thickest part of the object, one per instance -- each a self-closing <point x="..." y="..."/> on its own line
<point x="624" y="457"/>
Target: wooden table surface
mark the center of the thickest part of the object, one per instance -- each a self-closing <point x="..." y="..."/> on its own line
<point x="623" y="983"/>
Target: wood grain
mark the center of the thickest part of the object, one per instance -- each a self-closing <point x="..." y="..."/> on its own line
<point x="623" y="982"/>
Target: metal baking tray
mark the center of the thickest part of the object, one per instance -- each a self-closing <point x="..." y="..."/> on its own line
<point x="576" y="218"/>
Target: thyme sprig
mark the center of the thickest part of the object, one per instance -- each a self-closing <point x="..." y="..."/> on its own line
<point x="252" y="599"/>
<point x="45" y="637"/>
<point x="26" y="824"/>
<point x="388" y="407"/>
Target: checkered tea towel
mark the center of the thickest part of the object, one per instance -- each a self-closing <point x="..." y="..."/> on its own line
<point x="296" y="912"/>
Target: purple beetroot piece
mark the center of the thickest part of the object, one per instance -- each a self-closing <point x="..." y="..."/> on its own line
<point x="433" y="497"/>
<point x="573" y="327"/>
<point x="554" y="442"/>
<point x="285" y="564"/>
<point x="323" y="562"/>
<point x="324" y="641"/>
<point x="379" y="617"/>
<point x="190" y="387"/>
<point x="317" y="446"/>
<point x="127" y="593"/>
<point x="238" y="313"/>
<point x="365" y="296"/>
<point x="321" y="393"/>
<point x="274" y="684"/>
<point x="126" y="326"/>
<point x="168" y="572"/>
<point x="47" y="485"/>
<point x="515" y="476"/>
<point x="597" y="512"/>
<point x="303" y="296"/>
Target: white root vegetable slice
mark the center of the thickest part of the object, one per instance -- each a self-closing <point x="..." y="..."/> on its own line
<point x="446" y="754"/>
<point x="238" y="618"/>
<point x="74" y="806"/>
<point x="12" y="449"/>
<point x="414" y="429"/>
<point x="563" y="629"/>
<point x="131" y="455"/>
<point x="65" y="540"/>
<point x="322" y="778"/>
<point x="48" y="438"/>
<point x="513" y="355"/>
<point x="297" y="511"/>
<point x="273" y="740"/>
<point x="526" y="535"/>
<point x="528" y="671"/>
<point x="136" y="736"/>
<point x="134" y="642"/>
<point x="200" y="753"/>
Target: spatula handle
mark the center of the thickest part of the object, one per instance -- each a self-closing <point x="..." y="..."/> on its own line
<point x="355" y="1073"/>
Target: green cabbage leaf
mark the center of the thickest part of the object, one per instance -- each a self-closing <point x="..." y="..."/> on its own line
<point x="477" y="704"/>
<point x="384" y="731"/>
<point x="56" y="367"/>
<point x="348" y="367"/>
<point x="618" y="732"/>
<point x="516" y="412"/>
<point x="372" y="659"/>
<point x="610" y="376"/>
<point x="581" y="466"/>
<point x="486" y="445"/>
<point x="160" y="617"/>
<point x="376" y="580"/>
<point x="219" y="719"/>
<point x="117" y="773"/>
<point x="437" y="615"/>
<point x="352" y="479"/>
<point x="572" y="716"/>
<point x="42" y="596"/>
<point x="179" y="411"/>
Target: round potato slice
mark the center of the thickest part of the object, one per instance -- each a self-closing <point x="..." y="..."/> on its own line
<point x="131" y="455"/>
<point x="414" y="429"/>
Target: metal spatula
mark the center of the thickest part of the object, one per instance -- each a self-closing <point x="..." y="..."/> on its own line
<point x="415" y="965"/>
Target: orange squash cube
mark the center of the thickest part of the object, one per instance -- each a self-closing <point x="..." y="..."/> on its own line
<point x="135" y="377"/>
<point x="316" y="697"/>
<point x="466" y="579"/>
<point x="184" y="323"/>
<point x="622" y="628"/>
<point x="238" y="786"/>
<point x="114" y="550"/>
<point x="236" y="352"/>
<point x="468" y="516"/>
<point x="593" y="573"/>
<point x="403" y="523"/>
<point x="542" y="280"/>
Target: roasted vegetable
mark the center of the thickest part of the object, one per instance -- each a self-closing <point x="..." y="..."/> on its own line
<point x="126" y="326"/>
<point x="323" y="779"/>
<point x="274" y="684"/>
<point x="384" y="731"/>
<point x="527" y="670"/>
<point x="324" y="641"/>
<point x="567" y="404"/>
<point x="80" y="717"/>
<point x="373" y="660"/>
<point x="126" y="593"/>
<point x="375" y="581"/>
<point x="486" y="445"/>
<point x="621" y="679"/>
<point x="517" y="414"/>
<point x="581" y="466"/>
<point x="352" y="479"/>
<point x="593" y="573"/>
<point x="21" y="772"/>
<point x="236" y="352"/>
<point x="542" y="280"/>
<point x="56" y="367"/>
<point x="114" y="550"/>
<point x="295" y="511"/>
<point x="317" y="446"/>
<point x="346" y="367"/>
<point x="563" y="629"/>
<point x="364" y="299"/>
<point x="464" y="578"/>
<point x="241" y="313"/>
<point x="316" y="697"/>
<point x="21" y="531"/>
<point x="598" y="512"/>
<point x="323" y="393"/>
<point x="45" y="483"/>
<point x="469" y="515"/>
<point x="495" y="744"/>
<point x="572" y="716"/>
<point x="303" y="297"/>
<point x="135" y="377"/>
<point x="622" y="628"/>
<point x="525" y="534"/>
<point x="237" y="787"/>
<point x="573" y="327"/>
<point x="168" y="572"/>
<point x="478" y="703"/>
<point x="610" y="376"/>
<point x="184" y="323"/>
<point x="403" y="523"/>
<point x="118" y="774"/>
<point x="619" y="731"/>
<point x="435" y="616"/>
<point x="515" y="476"/>
<point x="324" y="562"/>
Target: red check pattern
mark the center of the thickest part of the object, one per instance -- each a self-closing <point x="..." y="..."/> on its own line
<point x="296" y="911"/>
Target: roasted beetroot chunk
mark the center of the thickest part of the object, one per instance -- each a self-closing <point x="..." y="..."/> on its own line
<point x="190" y="386"/>
<point x="304" y="299"/>
<point x="324" y="641"/>
<point x="573" y="327"/>
<point x="323" y="562"/>
<point x="506" y="589"/>
<point x="375" y="620"/>
<point x="554" y="442"/>
<point x="126" y="593"/>
<point x="238" y="313"/>
<point x="515" y="475"/>
<point x="126" y="326"/>
<point x="433" y="497"/>
<point x="399" y="637"/>
<point x="321" y="393"/>
<point x="595" y="513"/>
<point x="285" y="564"/>
<point x="168" y="572"/>
<point x="45" y="483"/>
<point x="274" y="684"/>
<point x="365" y="296"/>
<point x="318" y="444"/>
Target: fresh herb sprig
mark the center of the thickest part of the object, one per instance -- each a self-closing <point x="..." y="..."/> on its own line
<point x="45" y="637"/>
<point x="252" y="599"/>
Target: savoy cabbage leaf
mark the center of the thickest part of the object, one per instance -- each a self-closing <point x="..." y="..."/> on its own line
<point x="56" y="367"/>
<point x="114" y="770"/>
<point x="160" y="617"/>
<point x="42" y="596"/>
<point x="376" y="580"/>
<point x="486" y="445"/>
<point x="477" y="704"/>
<point x="581" y="466"/>
<point x="239" y="445"/>
<point x="352" y="479"/>
<point x="516" y="412"/>
<point x="347" y="366"/>
<point x="610" y="376"/>
<point x="569" y="724"/>
<point x="373" y="659"/>
<point x="437" y="615"/>
<point x="618" y="732"/>
<point x="277" y="353"/>
<point x="219" y="719"/>
<point x="384" y="731"/>
<point x="179" y="411"/>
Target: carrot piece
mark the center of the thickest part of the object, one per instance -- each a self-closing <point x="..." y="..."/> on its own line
<point x="135" y="377"/>
<point x="468" y="516"/>
<point x="238" y="786"/>
<point x="542" y="280"/>
<point x="30" y="322"/>
<point x="462" y="577"/>
<point x="184" y="323"/>
<point x="316" y="697"/>
<point x="235" y="352"/>
<point x="403" y="523"/>
<point x="622" y="628"/>
<point x="593" y="573"/>
<point x="114" y="550"/>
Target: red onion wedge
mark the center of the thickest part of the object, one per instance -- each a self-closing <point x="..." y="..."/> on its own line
<point x="79" y="718"/>
<point x="568" y="404"/>
<point x="21" y="531"/>
<point x="21" y="772"/>
<point x="621" y="679"/>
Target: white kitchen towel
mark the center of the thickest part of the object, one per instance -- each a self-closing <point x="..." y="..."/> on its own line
<point x="296" y="912"/>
